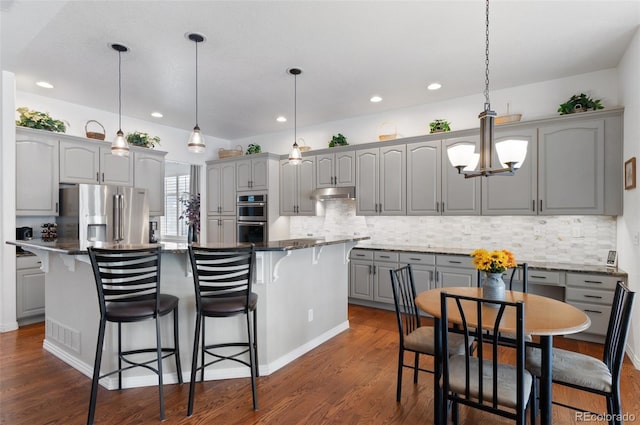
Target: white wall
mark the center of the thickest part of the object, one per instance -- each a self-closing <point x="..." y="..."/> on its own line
<point x="629" y="223"/>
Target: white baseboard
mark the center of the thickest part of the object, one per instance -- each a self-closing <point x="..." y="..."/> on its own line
<point x="8" y="327"/>
<point x="633" y="356"/>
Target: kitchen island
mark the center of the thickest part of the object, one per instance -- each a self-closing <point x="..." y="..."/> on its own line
<point x="302" y="287"/>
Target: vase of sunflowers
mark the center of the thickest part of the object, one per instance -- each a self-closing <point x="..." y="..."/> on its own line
<point x="494" y="264"/>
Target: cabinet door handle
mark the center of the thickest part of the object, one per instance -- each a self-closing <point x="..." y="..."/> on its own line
<point x="443" y="207"/>
<point x="540" y="210"/>
<point x="370" y="271"/>
<point x="102" y="177"/>
<point x="98" y="176"/>
<point x="374" y="269"/>
<point x="335" y="180"/>
<point x="56" y="207"/>
<point x="437" y="206"/>
<point x="593" y="296"/>
<point x="533" y="205"/>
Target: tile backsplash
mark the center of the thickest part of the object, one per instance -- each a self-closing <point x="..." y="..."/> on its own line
<point x="563" y="239"/>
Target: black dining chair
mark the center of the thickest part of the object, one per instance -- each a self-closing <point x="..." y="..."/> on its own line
<point x="223" y="280"/>
<point x="481" y="381"/>
<point x="414" y="337"/>
<point x="128" y="284"/>
<point x="587" y="373"/>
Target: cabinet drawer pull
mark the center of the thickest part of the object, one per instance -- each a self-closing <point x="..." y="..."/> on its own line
<point x="593" y="281"/>
<point x="538" y="277"/>
<point x="455" y="262"/>
<point x="593" y="311"/>
<point x="593" y="296"/>
<point x="384" y="256"/>
<point x="415" y="259"/>
<point x="360" y="255"/>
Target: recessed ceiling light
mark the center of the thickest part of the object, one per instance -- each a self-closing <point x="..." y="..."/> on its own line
<point x="375" y="99"/>
<point x="157" y="115"/>
<point x="434" y="86"/>
<point x="281" y="119"/>
<point x="44" y="84"/>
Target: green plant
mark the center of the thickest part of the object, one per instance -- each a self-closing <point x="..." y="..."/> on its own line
<point x="138" y="138"/>
<point x="579" y="103"/>
<point x="191" y="212"/>
<point x="39" y="120"/>
<point x="253" y="148"/>
<point x="338" y="140"/>
<point x="437" y="126"/>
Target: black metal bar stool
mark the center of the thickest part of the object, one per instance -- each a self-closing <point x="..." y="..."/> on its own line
<point x="128" y="283"/>
<point x="223" y="280"/>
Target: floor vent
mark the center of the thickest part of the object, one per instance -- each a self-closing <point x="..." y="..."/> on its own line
<point x="63" y="335"/>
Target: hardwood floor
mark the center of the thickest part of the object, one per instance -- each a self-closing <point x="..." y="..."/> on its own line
<point x="350" y="379"/>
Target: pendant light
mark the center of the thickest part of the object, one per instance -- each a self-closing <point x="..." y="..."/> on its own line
<point x="295" y="157"/>
<point x="196" y="141"/>
<point x="119" y="146"/>
<point x="511" y="153"/>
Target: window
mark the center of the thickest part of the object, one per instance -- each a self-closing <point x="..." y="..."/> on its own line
<point x="171" y="226"/>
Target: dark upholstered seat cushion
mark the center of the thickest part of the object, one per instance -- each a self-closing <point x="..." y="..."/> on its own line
<point x="507" y="378"/>
<point x="421" y="340"/>
<point x="573" y="368"/>
<point x="132" y="311"/>
<point x="228" y="306"/>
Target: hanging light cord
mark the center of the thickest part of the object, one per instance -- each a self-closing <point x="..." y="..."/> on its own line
<point x="487" y="104"/>
<point x="196" y="83"/>
<point x="120" y="90"/>
<point x="295" y="109"/>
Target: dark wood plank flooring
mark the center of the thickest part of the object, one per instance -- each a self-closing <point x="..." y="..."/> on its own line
<point x="350" y="379"/>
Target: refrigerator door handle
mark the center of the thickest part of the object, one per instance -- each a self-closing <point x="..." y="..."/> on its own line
<point x="117" y="217"/>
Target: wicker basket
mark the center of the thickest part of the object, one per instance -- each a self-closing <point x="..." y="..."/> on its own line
<point x="229" y="153"/>
<point x="505" y="119"/>
<point x="388" y="131"/>
<point x="93" y="134"/>
<point x="302" y="146"/>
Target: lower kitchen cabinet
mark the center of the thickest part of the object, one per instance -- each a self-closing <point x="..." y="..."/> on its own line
<point x="383" y="263"/>
<point x="29" y="290"/>
<point x="221" y="229"/>
<point x="455" y="270"/>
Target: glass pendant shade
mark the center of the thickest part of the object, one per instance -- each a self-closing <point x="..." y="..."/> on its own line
<point x="461" y="154"/>
<point x="295" y="157"/>
<point x="512" y="151"/>
<point x="119" y="146"/>
<point x="196" y="141"/>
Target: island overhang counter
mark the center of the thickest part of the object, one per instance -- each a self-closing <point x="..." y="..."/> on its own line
<point x="302" y="287"/>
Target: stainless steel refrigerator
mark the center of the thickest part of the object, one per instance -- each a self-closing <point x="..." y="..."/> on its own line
<point x="93" y="214"/>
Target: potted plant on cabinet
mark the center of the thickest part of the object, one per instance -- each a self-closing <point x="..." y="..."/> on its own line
<point x="439" y="126"/>
<point x="39" y="120"/>
<point x="138" y="138"/>
<point x="338" y="140"/>
<point x="579" y="103"/>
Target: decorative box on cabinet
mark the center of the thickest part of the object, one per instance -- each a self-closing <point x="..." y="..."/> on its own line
<point x="381" y="181"/>
<point x="593" y="294"/>
<point x="36" y="173"/>
<point x="296" y="184"/>
<point x="337" y="169"/>
<point x="148" y="173"/>
<point x="30" y="289"/>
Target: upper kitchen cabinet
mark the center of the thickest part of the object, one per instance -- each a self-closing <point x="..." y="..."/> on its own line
<point x="424" y="182"/>
<point x="571" y="168"/>
<point x="381" y="181"/>
<point x="36" y="173"/>
<point x="149" y="175"/>
<point x="296" y="184"/>
<point x="337" y="169"/>
<point x="221" y="184"/>
<point x="88" y="162"/>
<point x="460" y="196"/>
<point x="517" y="194"/>
<point x="252" y="174"/>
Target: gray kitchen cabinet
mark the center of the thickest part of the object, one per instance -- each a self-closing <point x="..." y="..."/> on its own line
<point x="148" y="173"/>
<point x="296" y="184"/>
<point x="221" y="229"/>
<point x="337" y="169"/>
<point x="30" y="289"/>
<point x="571" y="168"/>
<point x="383" y="263"/>
<point x="517" y="194"/>
<point x="593" y="294"/>
<point x="381" y="181"/>
<point x="36" y="174"/>
<point x="361" y="274"/>
<point x="88" y="162"/>
<point x="423" y="267"/>
<point x="460" y="196"/>
<point x="455" y="270"/>
<point x="221" y="188"/>
<point x="424" y="181"/>
<point x="252" y="174"/>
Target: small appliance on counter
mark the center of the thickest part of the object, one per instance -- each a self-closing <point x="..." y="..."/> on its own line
<point x="24" y="233"/>
<point x="153" y="232"/>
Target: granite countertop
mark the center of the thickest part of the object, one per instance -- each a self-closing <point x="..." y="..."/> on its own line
<point x="74" y="247"/>
<point x="552" y="266"/>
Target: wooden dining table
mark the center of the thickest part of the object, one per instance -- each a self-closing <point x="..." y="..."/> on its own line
<point x="544" y="317"/>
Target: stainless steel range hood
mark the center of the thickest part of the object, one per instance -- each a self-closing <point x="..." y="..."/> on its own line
<point x="326" y="193"/>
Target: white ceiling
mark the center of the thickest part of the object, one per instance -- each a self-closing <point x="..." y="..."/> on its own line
<point x="348" y="51"/>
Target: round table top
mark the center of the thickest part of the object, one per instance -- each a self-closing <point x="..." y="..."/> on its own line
<point x="543" y="316"/>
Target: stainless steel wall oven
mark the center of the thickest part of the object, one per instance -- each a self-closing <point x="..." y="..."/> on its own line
<point x="252" y="218"/>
